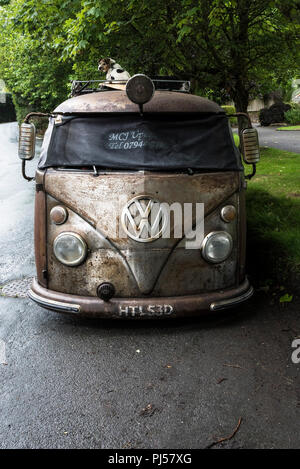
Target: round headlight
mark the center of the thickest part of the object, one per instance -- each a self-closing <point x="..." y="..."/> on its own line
<point x="70" y="249"/>
<point x="217" y="246"/>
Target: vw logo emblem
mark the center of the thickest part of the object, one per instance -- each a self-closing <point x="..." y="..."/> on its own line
<point x="144" y="219"/>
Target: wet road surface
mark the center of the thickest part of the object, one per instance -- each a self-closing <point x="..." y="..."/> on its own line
<point x="71" y="383"/>
<point x="283" y="140"/>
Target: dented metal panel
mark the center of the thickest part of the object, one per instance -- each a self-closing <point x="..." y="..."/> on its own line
<point x="189" y="273"/>
<point x="40" y="230"/>
<point x="162" y="267"/>
<point x="117" y="101"/>
<point x="100" y="200"/>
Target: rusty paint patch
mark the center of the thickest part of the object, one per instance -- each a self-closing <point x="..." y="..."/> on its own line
<point x="117" y="101"/>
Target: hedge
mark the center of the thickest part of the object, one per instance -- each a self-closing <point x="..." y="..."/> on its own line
<point x="274" y="114"/>
<point x="7" y="109"/>
<point x="293" y="115"/>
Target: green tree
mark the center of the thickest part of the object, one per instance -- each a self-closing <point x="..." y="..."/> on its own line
<point x="29" y="63"/>
<point x="235" y="45"/>
<point x="232" y="47"/>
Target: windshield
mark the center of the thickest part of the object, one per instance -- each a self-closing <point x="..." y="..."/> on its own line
<point x="149" y="142"/>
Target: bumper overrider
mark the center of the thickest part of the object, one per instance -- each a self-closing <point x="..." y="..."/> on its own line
<point x="140" y="308"/>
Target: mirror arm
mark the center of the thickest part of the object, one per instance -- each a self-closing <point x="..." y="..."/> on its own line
<point x="35" y="114"/>
<point x="242" y="114"/>
<point x="250" y="176"/>
<point x="24" y="174"/>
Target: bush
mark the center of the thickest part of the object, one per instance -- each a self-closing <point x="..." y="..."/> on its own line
<point x="7" y="110"/>
<point x="294" y="105"/>
<point x="21" y="108"/>
<point x="231" y="110"/>
<point x="292" y="116"/>
<point x="274" y="114"/>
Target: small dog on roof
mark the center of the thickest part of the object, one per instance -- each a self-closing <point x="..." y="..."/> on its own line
<point x="113" y="70"/>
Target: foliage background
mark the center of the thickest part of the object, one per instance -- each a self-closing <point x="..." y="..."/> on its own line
<point x="230" y="49"/>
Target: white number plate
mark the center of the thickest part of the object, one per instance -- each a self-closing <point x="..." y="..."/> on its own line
<point x="154" y="310"/>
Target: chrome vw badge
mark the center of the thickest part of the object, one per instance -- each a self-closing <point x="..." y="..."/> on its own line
<point x="144" y="219"/>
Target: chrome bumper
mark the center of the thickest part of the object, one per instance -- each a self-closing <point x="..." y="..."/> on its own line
<point x="232" y="301"/>
<point x="140" y="308"/>
<point x="52" y="304"/>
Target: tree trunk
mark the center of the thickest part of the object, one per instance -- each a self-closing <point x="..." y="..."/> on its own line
<point x="240" y="97"/>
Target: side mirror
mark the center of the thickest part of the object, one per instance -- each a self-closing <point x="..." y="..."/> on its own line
<point x="26" y="141"/>
<point x="250" y="146"/>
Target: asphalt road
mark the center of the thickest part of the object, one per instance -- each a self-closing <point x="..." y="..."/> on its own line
<point x="71" y="383"/>
<point x="284" y="140"/>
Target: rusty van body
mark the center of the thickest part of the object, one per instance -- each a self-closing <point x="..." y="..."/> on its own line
<point x="84" y="266"/>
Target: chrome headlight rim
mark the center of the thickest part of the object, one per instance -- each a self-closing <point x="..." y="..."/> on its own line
<point x="208" y="238"/>
<point x="82" y="242"/>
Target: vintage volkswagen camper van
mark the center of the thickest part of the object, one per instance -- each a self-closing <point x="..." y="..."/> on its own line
<point x="140" y="203"/>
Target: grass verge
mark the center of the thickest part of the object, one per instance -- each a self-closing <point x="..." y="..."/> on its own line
<point x="236" y="139"/>
<point x="291" y="127"/>
<point x="273" y="214"/>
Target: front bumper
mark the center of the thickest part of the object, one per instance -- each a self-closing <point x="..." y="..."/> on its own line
<point x="140" y="308"/>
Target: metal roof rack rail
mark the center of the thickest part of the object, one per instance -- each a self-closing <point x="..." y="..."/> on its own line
<point x="80" y="87"/>
<point x="171" y="84"/>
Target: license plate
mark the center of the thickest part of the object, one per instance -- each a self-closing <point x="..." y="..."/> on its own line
<point x="130" y="311"/>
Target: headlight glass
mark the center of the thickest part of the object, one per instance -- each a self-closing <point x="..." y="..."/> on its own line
<point x="217" y="246"/>
<point x="70" y="248"/>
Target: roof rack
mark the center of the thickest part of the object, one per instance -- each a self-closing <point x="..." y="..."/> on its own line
<point x="160" y="83"/>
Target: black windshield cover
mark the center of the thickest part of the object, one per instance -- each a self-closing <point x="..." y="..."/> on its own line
<point x="199" y="142"/>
